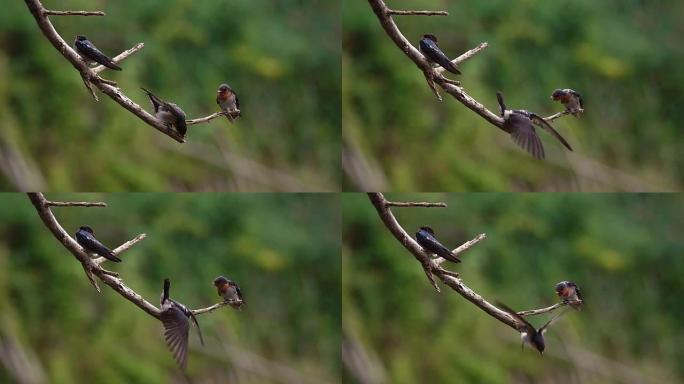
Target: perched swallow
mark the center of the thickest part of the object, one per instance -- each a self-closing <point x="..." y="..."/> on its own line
<point x="519" y="123"/>
<point x="169" y="113"/>
<point x="426" y="239"/>
<point x="227" y="99"/>
<point x="230" y="291"/>
<point x="571" y="99"/>
<point x="529" y="334"/>
<point x="85" y="237"/>
<point x="570" y="293"/>
<point x="88" y="51"/>
<point x="174" y="316"/>
<point x="428" y="47"/>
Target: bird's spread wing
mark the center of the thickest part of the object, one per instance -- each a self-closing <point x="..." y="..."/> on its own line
<point x="546" y="126"/>
<point x="523" y="134"/>
<point x="199" y="331"/>
<point x="544" y="327"/>
<point x="176" y="328"/>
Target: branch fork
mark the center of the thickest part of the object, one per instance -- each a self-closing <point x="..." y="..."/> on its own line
<point x="432" y="267"/>
<point x="92" y="266"/>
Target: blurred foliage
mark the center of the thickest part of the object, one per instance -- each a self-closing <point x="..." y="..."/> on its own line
<point x="624" y="57"/>
<point x="624" y="251"/>
<point x="283" y="250"/>
<point x="281" y="57"/>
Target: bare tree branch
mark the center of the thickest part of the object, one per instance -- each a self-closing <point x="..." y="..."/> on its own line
<point x="540" y="311"/>
<point x="74" y="204"/>
<point x="216" y="306"/>
<point x="414" y="204"/>
<point x="205" y="119"/>
<point x="463" y="247"/>
<point x="120" y="57"/>
<point x="380" y="204"/>
<point x="417" y="13"/>
<point x="434" y="76"/>
<point x="92" y="266"/>
<point x="73" y="13"/>
<point x="90" y="77"/>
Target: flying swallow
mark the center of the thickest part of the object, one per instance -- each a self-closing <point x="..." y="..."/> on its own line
<point x="88" y="51"/>
<point x="428" y="47"/>
<point x="519" y="123"/>
<point x="227" y="99"/>
<point x="571" y="99"/>
<point x="230" y="291"/>
<point x="174" y="316"/>
<point x="169" y="113"/>
<point x="528" y="334"/>
<point x="426" y="239"/>
<point x="85" y="237"/>
<point x="570" y="293"/>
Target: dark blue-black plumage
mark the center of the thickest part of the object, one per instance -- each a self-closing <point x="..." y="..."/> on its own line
<point x="176" y="320"/>
<point x="88" y="51"/>
<point x="85" y="237"/>
<point x="520" y="124"/>
<point x="425" y="237"/>
<point x="428" y="47"/>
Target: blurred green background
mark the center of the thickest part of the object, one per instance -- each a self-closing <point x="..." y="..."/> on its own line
<point x="624" y="251"/>
<point x="282" y="249"/>
<point x="623" y="56"/>
<point x="281" y="57"/>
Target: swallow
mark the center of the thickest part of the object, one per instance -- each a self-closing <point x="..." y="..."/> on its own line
<point x="174" y="316"/>
<point x="85" y="237"/>
<point x="428" y="47"/>
<point x="520" y="124"/>
<point x="528" y="333"/>
<point x="569" y="292"/>
<point x="426" y="239"/>
<point x="230" y="291"/>
<point x="169" y="113"/>
<point x="227" y="99"/>
<point x="571" y="99"/>
<point x="89" y="52"/>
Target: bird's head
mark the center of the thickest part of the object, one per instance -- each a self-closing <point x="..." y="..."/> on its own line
<point x="220" y="281"/>
<point x="427" y="229"/>
<point x="87" y="229"/>
<point x="430" y="36"/>
<point x="557" y="94"/>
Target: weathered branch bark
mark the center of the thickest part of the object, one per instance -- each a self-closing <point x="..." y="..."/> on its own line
<point x="73" y="13"/>
<point x="540" y="311"/>
<point x="380" y="204"/>
<point x="92" y="266"/>
<point x="40" y="203"/>
<point x="74" y="204"/>
<point x="213" y="116"/>
<point x="417" y="13"/>
<point x="414" y="204"/>
<point x="90" y="76"/>
<point x="434" y="76"/>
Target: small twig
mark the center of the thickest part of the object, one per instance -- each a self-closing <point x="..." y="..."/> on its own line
<point x="75" y="204"/>
<point x="433" y="87"/>
<point x="467" y="55"/>
<point x="540" y="311"/>
<point x="214" y="307"/>
<point x="205" y="119"/>
<point x="413" y="204"/>
<point x="448" y="278"/>
<point x="120" y="57"/>
<point x="417" y="13"/>
<point x="73" y="13"/>
<point x="122" y="248"/>
<point x="556" y="115"/>
<point x="463" y="247"/>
